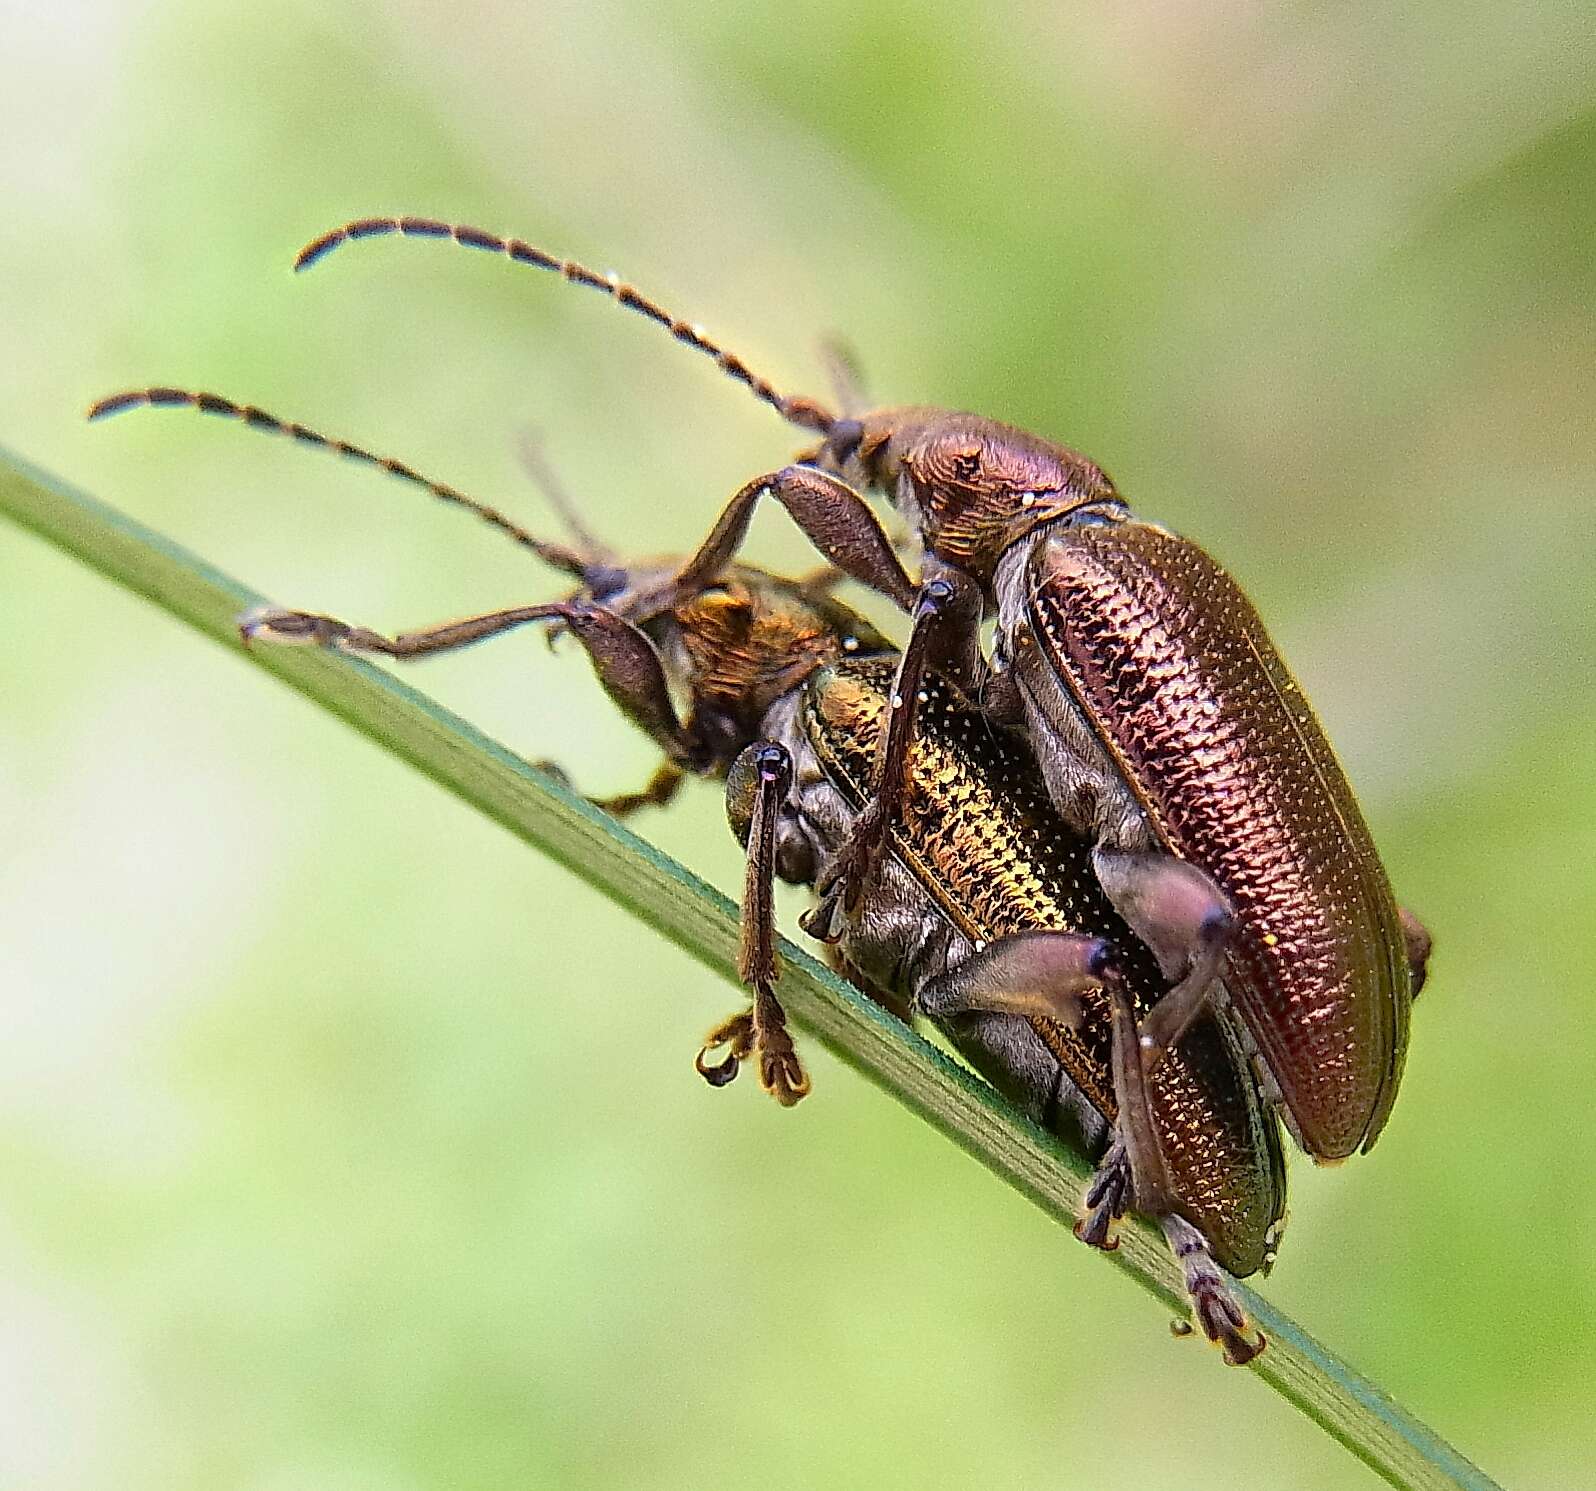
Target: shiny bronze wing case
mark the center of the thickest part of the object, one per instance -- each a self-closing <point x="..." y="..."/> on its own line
<point x="1173" y="669"/>
<point x="980" y="835"/>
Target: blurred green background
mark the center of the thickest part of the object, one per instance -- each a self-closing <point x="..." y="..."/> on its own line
<point x="345" y="1144"/>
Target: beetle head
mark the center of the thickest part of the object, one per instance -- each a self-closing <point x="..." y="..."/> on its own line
<point x="970" y="485"/>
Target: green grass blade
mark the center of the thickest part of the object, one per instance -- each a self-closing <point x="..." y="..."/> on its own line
<point x="673" y="900"/>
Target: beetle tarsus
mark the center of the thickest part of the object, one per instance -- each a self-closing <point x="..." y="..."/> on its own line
<point x="659" y="790"/>
<point x="291" y="628"/>
<point x="1214" y="1307"/>
<point x="1106" y="1200"/>
<point x="781" y="1073"/>
<point x="760" y="1032"/>
<point x="737" y="1036"/>
<point x="656" y="793"/>
<point x="1099" y="1228"/>
<point x="822" y="920"/>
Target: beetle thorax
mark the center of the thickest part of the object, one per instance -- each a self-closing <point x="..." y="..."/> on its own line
<point x="746" y="641"/>
<point x="974" y="487"/>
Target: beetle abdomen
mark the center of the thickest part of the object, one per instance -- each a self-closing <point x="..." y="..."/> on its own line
<point x="1174" y="671"/>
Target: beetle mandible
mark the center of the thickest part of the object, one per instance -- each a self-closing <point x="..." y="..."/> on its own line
<point x="1165" y="722"/>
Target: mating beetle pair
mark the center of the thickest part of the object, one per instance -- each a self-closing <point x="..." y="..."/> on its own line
<point x="1193" y="783"/>
<point x="987" y="916"/>
<point x="1166" y="725"/>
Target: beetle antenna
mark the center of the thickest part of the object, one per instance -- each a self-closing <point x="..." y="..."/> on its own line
<point x="805" y="413"/>
<point x="538" y="466"/>
<point x="560" y="556"/>
<point x="844" y="373"/>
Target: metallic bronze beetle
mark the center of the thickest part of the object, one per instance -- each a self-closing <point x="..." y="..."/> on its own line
<point x="987" y="916"/>
<point x="1166" y="724"/>
<point x="1169" y="729"/>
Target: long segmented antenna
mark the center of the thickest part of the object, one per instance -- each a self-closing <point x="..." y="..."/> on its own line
<point x="557" y="555"/>
<point x="805" y="413"/>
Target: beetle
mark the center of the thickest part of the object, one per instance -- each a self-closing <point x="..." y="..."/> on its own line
<point x="1165" y="722"/>
<point x="987" y="918"/>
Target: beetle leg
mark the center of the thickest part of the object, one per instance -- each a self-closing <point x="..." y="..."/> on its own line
<point x="998" y="694"/>
<point x="308" y="629"/>
<point x="1169" y="1019"/>
<point x="835" y="519"/>
<point x="818" y="584"/>
<point x="627" y="665"/>
<point x="656" y="793"/>
<point x="1214" y="1306"/>
<point x="954" y="625"/>
<point x="1184" y="918"/>
<point x="1152" y="1191"/>
<point x="1040" y="975"/>
<point x="592" y="553"/>
<point x="629" y="670"/>
<point x="1417" y="937"/>
<point x="763" y="773"/>
<point x="659" y="790"/>
<point x="1106" y="1200"/>
<point x="946" y="616"/>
